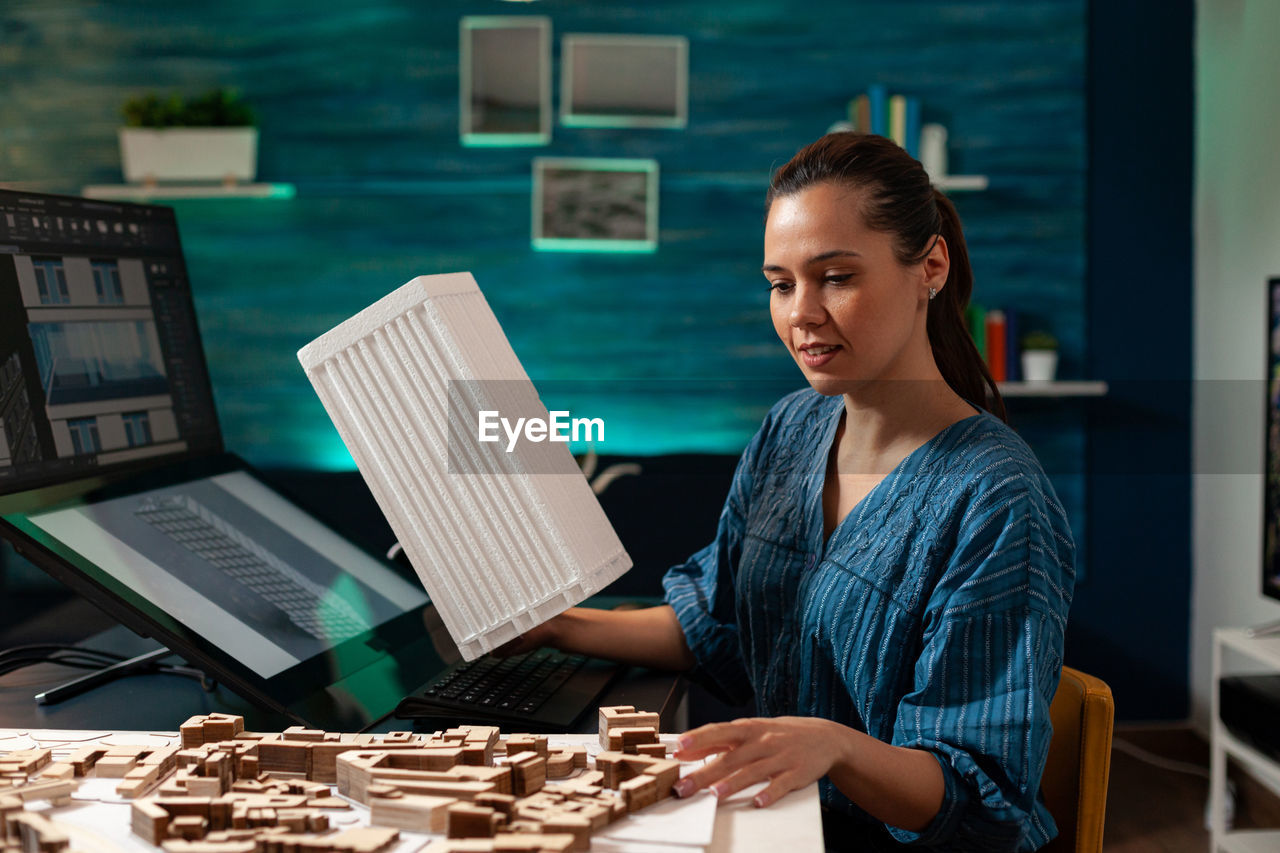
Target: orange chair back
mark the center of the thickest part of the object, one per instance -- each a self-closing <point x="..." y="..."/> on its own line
<point x="1079" y="763"/>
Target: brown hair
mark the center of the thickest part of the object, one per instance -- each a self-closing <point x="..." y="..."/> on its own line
<point x="899" y="200"/>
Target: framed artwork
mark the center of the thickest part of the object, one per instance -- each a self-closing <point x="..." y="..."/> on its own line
<point x="504" y="79"/>
<point x="624" y="81"/>
<point x="595" y="204"/>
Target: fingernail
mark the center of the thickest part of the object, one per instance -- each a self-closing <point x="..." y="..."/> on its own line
<point x="761" y="801"/>
<point x="683" y="742"/>
<point x="719" y="790"/>
<point x="684" y="788"/>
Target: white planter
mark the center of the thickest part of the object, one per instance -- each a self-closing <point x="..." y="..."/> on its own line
<point x="228" y="154"/>
<point x="1039" y="365"/>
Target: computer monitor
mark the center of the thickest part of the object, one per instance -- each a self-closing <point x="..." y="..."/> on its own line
<point x="114" y="479"/>
<point x="1271" y="456"/>
<point x="101" y="365"/>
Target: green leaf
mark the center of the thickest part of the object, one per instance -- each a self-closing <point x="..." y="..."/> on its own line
<point x="217" y="108"/>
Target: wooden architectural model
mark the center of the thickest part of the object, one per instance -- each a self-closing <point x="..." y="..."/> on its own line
<point x="21" y="830"/>
<point x="225" y="790"/>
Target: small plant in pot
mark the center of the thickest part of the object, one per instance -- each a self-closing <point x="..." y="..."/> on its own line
<point x="1039" y="357"/>
<point x="208" y="137"/>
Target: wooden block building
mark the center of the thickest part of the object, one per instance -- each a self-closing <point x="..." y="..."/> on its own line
<point x="226" y="790"/>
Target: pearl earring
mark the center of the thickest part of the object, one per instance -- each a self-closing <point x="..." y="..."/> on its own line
<point x="933" y="291"/>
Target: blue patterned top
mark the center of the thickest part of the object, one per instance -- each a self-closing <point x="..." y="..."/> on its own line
<point x="933" y="617"/>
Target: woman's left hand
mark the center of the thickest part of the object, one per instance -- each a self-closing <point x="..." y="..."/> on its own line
<point x="788" y="752"/>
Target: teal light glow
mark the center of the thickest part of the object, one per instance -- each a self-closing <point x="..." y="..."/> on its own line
<point x="341" y="602"/>
<point x="605" y="120"/>
<point x="334" y="458"/>
<point x="562" y="244"/>
<point x="504" y="140"/>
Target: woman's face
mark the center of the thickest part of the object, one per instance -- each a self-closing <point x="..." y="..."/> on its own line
<point x="848" y="312"/>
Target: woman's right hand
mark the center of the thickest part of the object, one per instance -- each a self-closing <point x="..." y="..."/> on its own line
<point x="648" y="637"/>
<point x="535" y="638"/>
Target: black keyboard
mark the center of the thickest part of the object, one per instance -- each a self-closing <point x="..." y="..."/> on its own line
<point x="543" y="690"/>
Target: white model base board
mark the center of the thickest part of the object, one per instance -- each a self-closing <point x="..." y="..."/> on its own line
<point x="502" y="541"/>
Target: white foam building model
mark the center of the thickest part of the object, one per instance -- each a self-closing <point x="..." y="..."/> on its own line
<point x="501" y="540"/>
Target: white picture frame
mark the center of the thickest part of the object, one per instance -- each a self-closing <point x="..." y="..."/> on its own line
<point x="595" y="204"/>
<point x="504" y="80"/>
<point x="624" y="81"/>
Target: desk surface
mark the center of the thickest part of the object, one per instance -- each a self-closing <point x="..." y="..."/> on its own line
<point x="151" y="703"/>
<point x="161" y="702"/>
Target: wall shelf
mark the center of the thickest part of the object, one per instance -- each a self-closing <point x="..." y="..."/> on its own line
<point x="142" y="192"/>
<point x="1071" y="388"/>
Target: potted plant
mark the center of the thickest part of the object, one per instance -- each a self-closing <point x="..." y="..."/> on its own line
<point x="1039" y="357"/>
<point x="209" y="137"/>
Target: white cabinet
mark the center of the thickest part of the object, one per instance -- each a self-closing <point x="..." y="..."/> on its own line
<point x="1230" y="646"/>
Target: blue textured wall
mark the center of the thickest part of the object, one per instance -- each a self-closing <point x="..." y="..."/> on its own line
<point x="358" y="108"/>
<point x="1139" y="450"/>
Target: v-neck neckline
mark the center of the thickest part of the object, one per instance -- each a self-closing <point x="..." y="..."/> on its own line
<point x="817" y="518"/>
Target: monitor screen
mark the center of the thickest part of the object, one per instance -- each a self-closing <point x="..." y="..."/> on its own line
<point x="237" y="564"/>
<point x="113" y="478"/>
<point x="1271" y="463"/>
<point x="101" y="367"/>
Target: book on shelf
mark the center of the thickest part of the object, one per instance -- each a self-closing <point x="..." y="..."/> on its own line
<point x="996" y="352"/>
<point x="976" y="319"/>
<point x="995" y="335"/>
<point x="860" y="113"/>
<point x="912" y="143"/>
<point x="898" y="119"/>
<point x="895" y="116"/>
<point x="1012" y="350"/>
<point x="878" y="97"/>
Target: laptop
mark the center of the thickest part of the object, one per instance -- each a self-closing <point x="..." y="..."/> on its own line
<point x="114" y="480"/>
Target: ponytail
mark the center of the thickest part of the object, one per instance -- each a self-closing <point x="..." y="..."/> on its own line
<point x="954" y="352"/>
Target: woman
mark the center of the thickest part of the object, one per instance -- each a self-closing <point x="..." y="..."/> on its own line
<point x="892" y="571"/>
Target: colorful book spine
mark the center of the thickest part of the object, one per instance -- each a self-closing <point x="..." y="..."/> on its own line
<point x="860" y="113"/>
<point x="878" y="101"/>
<point x="996" y="345"/>
<point x="976" y="318"/>
<point x="912" y="131"/>
<point x="1012" y="358"/>
<point x="898" y="119"/>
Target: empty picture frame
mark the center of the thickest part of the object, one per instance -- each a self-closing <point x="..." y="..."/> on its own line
<point x="624" y="81"/>
<point x="504" y="79"/>
<point x="595" y="204"/>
